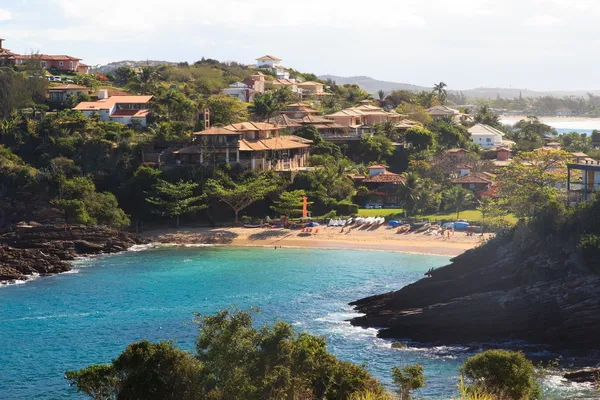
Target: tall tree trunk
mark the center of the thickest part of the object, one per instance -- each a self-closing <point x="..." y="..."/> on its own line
<point x="178" y="221"/>
<point x="236" y="216"/>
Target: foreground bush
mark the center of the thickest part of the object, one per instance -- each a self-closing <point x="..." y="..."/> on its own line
<point x="503" y="374"/>
<point x="233" y="361"/>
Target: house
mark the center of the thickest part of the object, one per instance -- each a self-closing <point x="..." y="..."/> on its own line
<point x="438" y="112"/>
<point x="240" y="91"/>
<point x="477" y="182"/>
<point x="502" y="157"/>
<point x="60" y="93"/>
<point x="349" y="117"/>
<point x="311" y="89"/>
<point x="251" y="145"/>
<point x="464" y="169"/>
<point x="124" y="109"/>
<point x="299" y="110"/>
<point x="7" y="57"/>
<point x="579" y="157"/>
<point x="365" y="116"/>
<point x="327" y="128"/>
<point x="583" y="180"/>
<point x="383" y="186"/>
<point x="289" y="83"/>
<point x="61" y="63"/>
<point x="486" y="136"/>
<point x="267" y="61"/>
<point x="457" y="152"/>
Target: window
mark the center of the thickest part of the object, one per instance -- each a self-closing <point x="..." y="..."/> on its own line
<point x="61" y="63"/>
<point x="488" y="140"/>
<point x="471" y="186"/>
<point x="71" y="64"/>
<point x="43" y="64"/>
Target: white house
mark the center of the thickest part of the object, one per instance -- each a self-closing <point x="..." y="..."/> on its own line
<point x="486" y="136"/>
<point x="123" y="109"/>
<point x="267" y="61"/>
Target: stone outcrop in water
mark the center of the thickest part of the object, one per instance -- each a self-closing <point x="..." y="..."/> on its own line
<point x="46" y="249"/>
<point x="516" y="288"/>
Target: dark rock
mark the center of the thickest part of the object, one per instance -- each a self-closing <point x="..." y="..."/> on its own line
<point x="32" y="248"/>
<point x="500" y="291"/>
<point x="584" y="375"/>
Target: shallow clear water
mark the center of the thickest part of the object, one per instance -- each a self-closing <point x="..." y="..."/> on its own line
<point x="69" y="321"/>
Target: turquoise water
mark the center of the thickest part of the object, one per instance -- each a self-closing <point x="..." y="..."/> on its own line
<point x="69" y="321"/>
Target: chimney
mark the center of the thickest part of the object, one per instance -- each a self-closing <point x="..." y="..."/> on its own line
<point x="1" y="40"/>
<point x="102" y="94"/>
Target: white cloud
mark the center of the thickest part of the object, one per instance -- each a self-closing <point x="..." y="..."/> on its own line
<point x="5" y="15"/>
<point x="542" y="21"/>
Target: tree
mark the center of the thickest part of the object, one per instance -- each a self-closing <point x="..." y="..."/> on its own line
<point x="408" y="378"/>
<point x="375" y="148"/>
<point x="486" y="116"/>
<point x="389" y="129"/>
<point x="595" y="136"/>
<point x="381" y="94"/>
<point x="233" y="360"/>
<point x="503" y="374"/>
<point x="492" y="211"/>
<point x="420" y="139"/>
<point x="264" y="106"/>
<point x="144" y="370"/>
<point x="225" y="110"/>
<point x="448" y="133"/>
<point x="290" y="203"/>
<point x="123" y="75"/>
<point x="239" y="195"/>
<point x="531" y="181"/>
<point x="458" y="198"/>
<point x="529" y="134"/>
<point x="175" y="199"/>
<point x="74" y="211"/>
<point x="440" y="90"/>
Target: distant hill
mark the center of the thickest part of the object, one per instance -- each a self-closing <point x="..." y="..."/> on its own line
<point x="105" y="69"/>
<point x="373" y="85"/>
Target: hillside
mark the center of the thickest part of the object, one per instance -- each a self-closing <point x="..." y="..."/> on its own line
<point x="535" y="285"/>
<point x="105" y="69"/>
<point x="372" y="85"/>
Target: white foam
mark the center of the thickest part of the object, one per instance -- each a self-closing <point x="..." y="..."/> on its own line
<point x="140" y="247"/>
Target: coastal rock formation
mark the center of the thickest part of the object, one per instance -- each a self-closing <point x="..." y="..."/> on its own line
<point x="28" y="249"/>
<point x="515" y="288"/>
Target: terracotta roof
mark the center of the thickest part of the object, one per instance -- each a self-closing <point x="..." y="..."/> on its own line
<point x="367" y="107"/>
<point x="268" y="57"/>
<point x="284" y="82"/>
<point x="68" y="87"/>
<point x="475" y="177"/>
<point x="442" y="110"/>
<point x="107" y="104"/>
<point x="278" y="143"/>
<point x="216" y="131"/>
<point x="315" y="119"/>
<point x="251" y="126"/>
<point x="464" y="166"/>
<point x="48" y="57"/>
<point x="283" y="121"/>
<point x="386" y="177"/>
<point x="578" y="155"/>
<point x="481" y="129"/>
<point x="377" y="166"/>
<point x="349" y="112"/>
<point x="310" y="83"/>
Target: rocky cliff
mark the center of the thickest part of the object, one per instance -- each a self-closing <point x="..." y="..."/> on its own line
<point x="515" y="288"/>
<point x="46" y="249"/>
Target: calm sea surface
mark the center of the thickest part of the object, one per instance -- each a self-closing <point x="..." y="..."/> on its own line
<point x="565" y="126"/>
<point x="69" y="321"/>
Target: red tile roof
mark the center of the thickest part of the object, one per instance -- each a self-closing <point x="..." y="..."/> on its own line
<point x="475" y="177"/>
<point x="386" y="177"/>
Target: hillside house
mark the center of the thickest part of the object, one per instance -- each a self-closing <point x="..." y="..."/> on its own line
<point x="478" y="182"/>
<point x="251" y="145"/>
<point x="61" y="63"/>
<point x="486" y="136"/>
<point x="438" y="112"/>
<point x="299" y="110"/>
<point x="59" y="93"/>
<point x="502" y="157"/>
<point x="124" y="109"/>
<point x="288" y="83"/>
<point x="383" y="187"/>
<point x="583" y="180"/>
<point x="311" y="89"/>
<point x="267" y="61"/>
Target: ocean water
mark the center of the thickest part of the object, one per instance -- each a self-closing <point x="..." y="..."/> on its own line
<point x="565" y="125"/>
<point x="69" y="321"/>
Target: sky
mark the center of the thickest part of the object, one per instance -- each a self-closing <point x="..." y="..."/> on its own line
<point x="533" y="44"/>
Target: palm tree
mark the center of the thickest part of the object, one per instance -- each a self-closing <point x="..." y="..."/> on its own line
<point x="458" y="198"/>
<point x="388" y="129"/>
<point x="381" y="94"/>
<point x="440" y="90"/>
<point x="264" y="106"/>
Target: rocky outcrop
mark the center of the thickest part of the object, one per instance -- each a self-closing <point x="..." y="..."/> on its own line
<point x="516" y="288"/>
<point x="584" y="375"/>
<point x="28" y="249"/>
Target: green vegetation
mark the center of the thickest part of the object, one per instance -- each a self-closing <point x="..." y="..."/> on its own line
<point x="235" y="360"/>
<point x="175" y="199"/>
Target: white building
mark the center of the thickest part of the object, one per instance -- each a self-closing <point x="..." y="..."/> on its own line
<point x="123" y="109"/>
<point x="486" y="136"/>
<point x="241" y="91"/>
<point x="267" y="61"/>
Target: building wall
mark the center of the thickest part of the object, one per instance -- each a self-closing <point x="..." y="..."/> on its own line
<point x="66" y="65"/>
<point x="486" y="141"/>
<point x="266" y="63"/>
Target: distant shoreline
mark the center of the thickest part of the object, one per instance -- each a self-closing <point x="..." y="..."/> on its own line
<point x="379" y="239"/>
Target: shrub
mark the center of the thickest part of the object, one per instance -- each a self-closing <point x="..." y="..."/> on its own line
<point x="590" y="247"/>
<point x="408" y="378"/>
<point x="345" y="207"/>
<point x="503" y="374"/>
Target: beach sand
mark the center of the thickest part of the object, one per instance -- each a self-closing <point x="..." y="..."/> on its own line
<point x="360" y="238"/>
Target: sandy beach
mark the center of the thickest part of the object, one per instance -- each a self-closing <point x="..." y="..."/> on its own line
<point x="359" y="238"/>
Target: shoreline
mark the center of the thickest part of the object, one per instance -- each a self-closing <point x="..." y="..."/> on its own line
<point x="328" y="238"/>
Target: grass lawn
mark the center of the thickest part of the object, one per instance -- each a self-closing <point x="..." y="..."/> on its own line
<point x="469" y="215"/>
